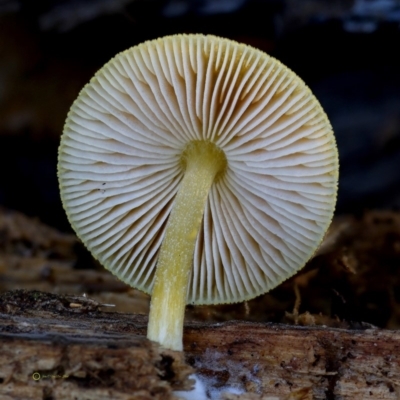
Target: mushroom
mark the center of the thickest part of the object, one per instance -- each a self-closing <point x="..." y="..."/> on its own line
<point x="198" y="170"/>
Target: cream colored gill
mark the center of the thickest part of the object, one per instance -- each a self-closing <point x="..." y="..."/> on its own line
<point x="120" y="164"/>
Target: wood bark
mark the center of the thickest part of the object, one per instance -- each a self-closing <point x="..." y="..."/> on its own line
<point x="62" y="347"/>
<point x="82" y="352"/>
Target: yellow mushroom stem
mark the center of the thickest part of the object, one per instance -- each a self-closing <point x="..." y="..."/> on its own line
<point x="204" y="162"/>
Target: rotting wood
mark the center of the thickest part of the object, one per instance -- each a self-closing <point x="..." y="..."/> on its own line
<point x="106" y="355"/>
<point x="62" y="347"/>
<point x="276" y="359"/>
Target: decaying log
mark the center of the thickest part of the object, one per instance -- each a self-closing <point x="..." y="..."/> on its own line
<point x="275" y="359"/>
<point x="62" y="347"/>
<point x="354" y="277"/>
<point x="82" y="352"/>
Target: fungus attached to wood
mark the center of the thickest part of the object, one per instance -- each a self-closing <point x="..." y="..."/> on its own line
<point x="198" y="170"/>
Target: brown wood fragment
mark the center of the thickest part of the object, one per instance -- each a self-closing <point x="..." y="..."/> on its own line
<point x="106" y="355"/>
<point x="50" y="350"/>
<point x="276" y="360"/>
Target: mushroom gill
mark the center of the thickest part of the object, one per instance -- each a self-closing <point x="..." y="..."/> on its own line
<point x="224" y="127"/>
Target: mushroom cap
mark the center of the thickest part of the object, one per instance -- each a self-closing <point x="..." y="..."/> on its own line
<point x="120" y="164"/>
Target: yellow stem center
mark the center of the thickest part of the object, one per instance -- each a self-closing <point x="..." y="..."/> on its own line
<point x="203" y="161"/>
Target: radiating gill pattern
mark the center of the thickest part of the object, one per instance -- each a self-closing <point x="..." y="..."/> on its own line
<point x="120" y="164"/>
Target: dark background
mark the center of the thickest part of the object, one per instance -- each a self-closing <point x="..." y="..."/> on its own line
<point x="347" y="51"/>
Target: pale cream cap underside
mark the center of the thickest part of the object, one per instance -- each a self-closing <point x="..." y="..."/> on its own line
<point x="119" y="164"/>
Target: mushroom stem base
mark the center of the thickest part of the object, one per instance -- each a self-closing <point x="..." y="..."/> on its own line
<point x="203" y="161"/>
